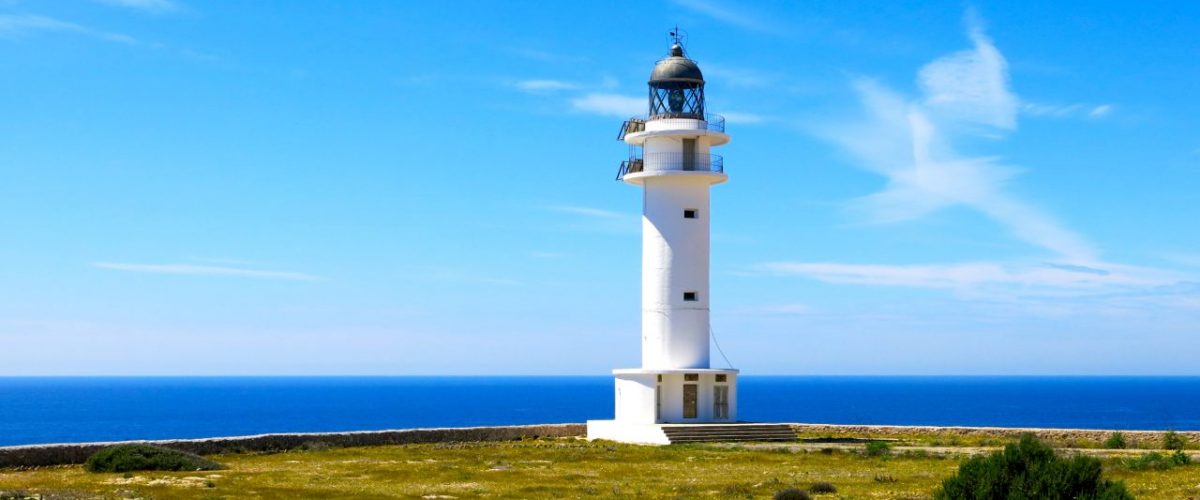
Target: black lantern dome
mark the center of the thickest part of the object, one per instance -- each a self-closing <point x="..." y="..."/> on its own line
<point x="676" y="87"/>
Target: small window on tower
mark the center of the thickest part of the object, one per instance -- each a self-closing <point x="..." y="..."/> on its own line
<point x="689" y="296"/>
<point x="721" y="378"/>
<point x="691" y="213"/>
<point x="691" y="377"/>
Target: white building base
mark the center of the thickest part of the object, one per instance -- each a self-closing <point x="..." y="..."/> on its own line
<point x="624" y="432"/>
<point x="647" y="398"/>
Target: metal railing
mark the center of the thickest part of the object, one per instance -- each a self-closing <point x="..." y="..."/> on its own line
<point x="710" y="121"/>
<point x="631" y="126"/>
<point x="678" y="162"/>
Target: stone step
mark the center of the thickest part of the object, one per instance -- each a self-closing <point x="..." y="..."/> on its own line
<point x="679" y="427"/>
<point x="726" y="437"/>
<point x="715" y="431"/>
<point x="671" y="428"/>
<point x="679" y="441"/>
<point x="721" y="437"/>
<point x="739" y="432"/>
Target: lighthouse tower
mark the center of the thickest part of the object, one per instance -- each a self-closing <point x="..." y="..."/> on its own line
<point x="670" y="159"/>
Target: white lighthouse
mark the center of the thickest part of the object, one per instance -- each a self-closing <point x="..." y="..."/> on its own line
<point x="670" y="158"/>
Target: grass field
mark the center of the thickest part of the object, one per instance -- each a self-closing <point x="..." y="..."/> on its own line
<point x="551" y="468"/>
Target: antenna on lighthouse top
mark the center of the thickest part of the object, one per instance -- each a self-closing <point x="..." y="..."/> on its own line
<point x="678" y="40"/>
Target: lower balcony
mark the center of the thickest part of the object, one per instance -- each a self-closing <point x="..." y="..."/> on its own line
<point x="671" y="162"/>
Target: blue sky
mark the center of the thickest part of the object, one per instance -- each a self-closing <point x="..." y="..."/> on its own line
<point x="196" y="187"/>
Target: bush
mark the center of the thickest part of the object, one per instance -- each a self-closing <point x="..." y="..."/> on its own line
<point x="1030" y="469"/>
<point x="1157" y="461"/>
<point x="1173" y="441"/>
<point x="1115" y="442"/>
<point x="822" y="488"/>
<point x="792" y="494"/>
<point x="139" y="457"/>
<point x="1150" y="461"/>
<point x="878" y="449"/>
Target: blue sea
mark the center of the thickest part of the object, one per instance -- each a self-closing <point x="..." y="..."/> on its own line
<point x="67" y="409"/>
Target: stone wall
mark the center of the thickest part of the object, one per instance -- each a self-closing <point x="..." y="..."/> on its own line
<point x="64" y="454"/>
<point x="1051" y="435"/>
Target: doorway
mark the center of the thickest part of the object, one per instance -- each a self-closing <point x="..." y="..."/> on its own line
<point x="690" y="399"/>
<point x="658" y="403"/>
<point x="720" y="402"/>
<point x="689" y="154"/>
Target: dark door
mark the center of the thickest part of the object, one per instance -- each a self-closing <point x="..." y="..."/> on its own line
<point x="720" y="402"/>
<point x="690" y="394"/>
<point x="689" y="154"/>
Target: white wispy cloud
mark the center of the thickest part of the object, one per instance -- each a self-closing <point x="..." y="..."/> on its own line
<point x="739" y="15"/>
<point x="971" y="85"/>
<point x="16" y="25"/>
<point x="743" y="118"/>
<point x="145" y="5"/>
<point x="1100" y="111"/>
<point x="542" y="86"/>
<point x="204" y="270"/>
<point x="590" y="212"/>
<point x="590" y="219"/>
<point x="617" y="105"/>
<point x="911" y="143"/>
<point x="1066" y="110"/>
<point x="775" y="310"/>
<point x="976" y="275"/>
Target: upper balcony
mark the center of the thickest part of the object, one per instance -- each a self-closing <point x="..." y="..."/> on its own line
<point x="637" y="129"/>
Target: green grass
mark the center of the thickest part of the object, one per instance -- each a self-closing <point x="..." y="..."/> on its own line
<point x="555" y="468"/>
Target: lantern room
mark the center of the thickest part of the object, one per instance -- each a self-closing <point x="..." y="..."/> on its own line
<point x="676" y="87"/>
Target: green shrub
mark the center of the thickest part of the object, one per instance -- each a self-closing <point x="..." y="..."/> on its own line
<point x="878" y="449"/>
<point x="139" y="457"/>
<point x="1157" y="461"/>
<point x="822" y="488"/>
<point x="792" y="494"/>
<point x="1150" y="461"/>
<point x="1030" y="469"/>
<point x="1173" y="441"/>
<point x="1116" y="441"/>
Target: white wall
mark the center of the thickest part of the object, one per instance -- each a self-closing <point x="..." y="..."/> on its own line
<point x="635" y="397"/>
<point x="675" y="259"/>
<point x="672" y="398"/>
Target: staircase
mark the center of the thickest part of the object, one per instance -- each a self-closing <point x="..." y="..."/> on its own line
<point x="705" y="433"/>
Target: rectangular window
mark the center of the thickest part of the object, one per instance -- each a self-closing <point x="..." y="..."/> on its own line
<point x="691" y="377"/>
<point x="689" y="296"/>
<point x="721" y="377"/>
<point x="660" y="378"/>
<point x="691" y="213"/>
